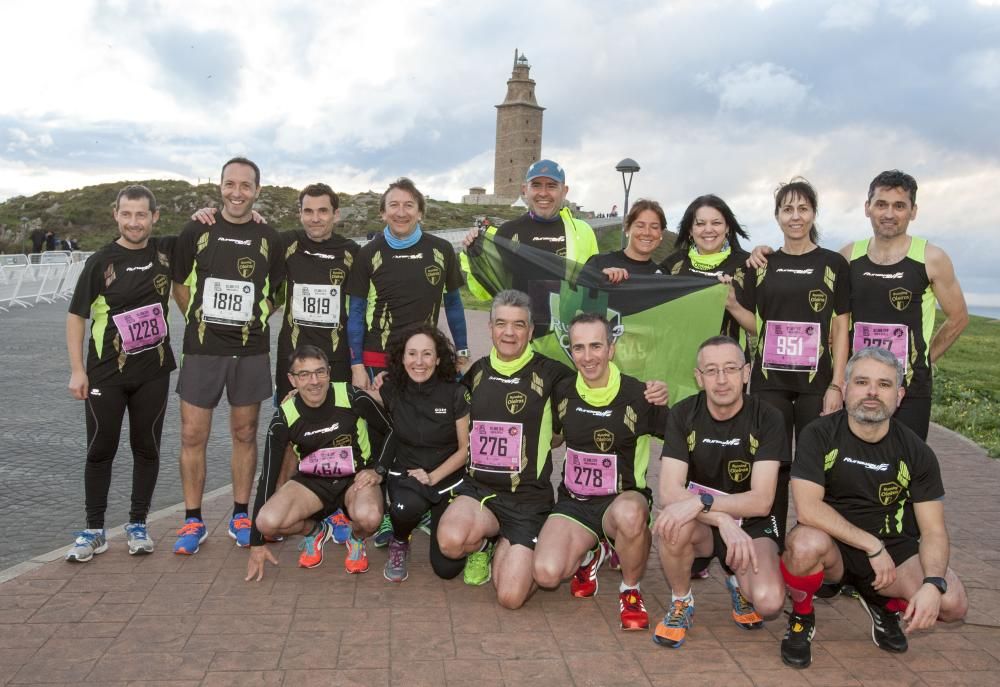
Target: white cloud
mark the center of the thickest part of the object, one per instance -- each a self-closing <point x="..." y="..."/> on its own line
<point x="980" y="70"/>
<point x="763" y="88"/>
<point x="912" y="13"/>
<point x="851" y="15"/>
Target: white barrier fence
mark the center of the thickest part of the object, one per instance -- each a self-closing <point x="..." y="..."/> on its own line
<point x="26" y="280"/>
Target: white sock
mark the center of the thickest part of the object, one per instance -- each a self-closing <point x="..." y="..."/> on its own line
<point x="587" y="559"/>
<point x="733" y="581"/>
<point x="622" y="588"/>
<point x="689" y="597"/>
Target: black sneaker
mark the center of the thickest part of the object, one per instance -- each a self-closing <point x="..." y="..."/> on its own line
<point x="796" y="646"/>
<point x="886" y="632"/>
<point x="828" y="590"/>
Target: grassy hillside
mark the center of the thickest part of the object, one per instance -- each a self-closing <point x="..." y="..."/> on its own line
<point x="85" y="213"/>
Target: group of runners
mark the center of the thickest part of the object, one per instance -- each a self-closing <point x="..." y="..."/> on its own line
<point x="383" y="425"/>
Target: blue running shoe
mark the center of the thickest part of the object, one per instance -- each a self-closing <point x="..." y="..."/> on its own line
<point x="341" y="526"/>
<point x="190" y="537"/>
<point x="139" y="541"/>
<point x="239" y="529"/>
<point x="672" y="630"/>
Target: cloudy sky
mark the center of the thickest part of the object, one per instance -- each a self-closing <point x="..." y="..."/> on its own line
<point x="707" y="95"/>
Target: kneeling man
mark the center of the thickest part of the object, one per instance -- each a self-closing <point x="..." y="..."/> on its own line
<point x="607" y="423"/>
<point x="327" y="425"/>
<point x="721" y="456"/>
<point x="869" y="500"/>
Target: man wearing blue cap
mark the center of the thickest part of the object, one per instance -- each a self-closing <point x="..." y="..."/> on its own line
<point x="547" y="225"/>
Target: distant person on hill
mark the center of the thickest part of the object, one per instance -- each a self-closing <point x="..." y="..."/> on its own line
<point x="895" y="279"/>
<point x="51" y="241"/>
<point x="38" y="240"/>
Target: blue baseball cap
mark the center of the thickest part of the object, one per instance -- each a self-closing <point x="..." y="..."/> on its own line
<point x="548" y="169"/>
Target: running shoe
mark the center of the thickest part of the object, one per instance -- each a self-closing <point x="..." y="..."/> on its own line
<point x="311" y="546"/>
<point x="239" y="529"/>
<point x="395" y="566"/>
<point x="584" y="582"/>
<point x="744" y="614"/>
<point x="383" y="534"/>
<point x="478" y="567"/>
<point x="672" y="630"/>
<point x="614" y="563"/>
<point x="886" y="632"/>
<point x="341" y="526"/>
<point x="139" y="541"/>
<point x="633" y="610"/>
<point x="425" y="523"/>
<point x="357" y="557"/>
<point x="796" y="646"/>
<point x="190" y="537"/>
<point x="87" y="543"/>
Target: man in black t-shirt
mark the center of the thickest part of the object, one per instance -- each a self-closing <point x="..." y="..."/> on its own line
<point x="869" y="500"/>
<point x="721" y="456"/>
<point x="327" y="426"/>
<point x="123" y="289"/>
<point x="225" y="277"/>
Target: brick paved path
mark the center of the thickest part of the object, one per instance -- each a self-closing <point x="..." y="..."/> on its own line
<point x="171" y="620"/>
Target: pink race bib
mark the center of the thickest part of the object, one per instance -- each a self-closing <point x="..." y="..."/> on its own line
<point x="591" y="474"/>
<point x="333" y="462"/>
<point x="895" y="338"/>
<point x="791" y="346"/>
<point x="141" y="328"/>
<point x="496" y="446"/>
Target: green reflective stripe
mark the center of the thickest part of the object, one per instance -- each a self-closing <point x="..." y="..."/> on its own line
<point x="370" y="306"/>
<point x="265" y="311"/>
<point x="859" y="249"/>
<point x="899" y="517"/>
<point x="544" y="440"/>
<point x="290" y="412"/>
<point x="641" y="461"/>
<point x="99" y="324"/>
<point x="340" y="397"/>
<point x="192" y="283"/>
<point x="364" y="443"/>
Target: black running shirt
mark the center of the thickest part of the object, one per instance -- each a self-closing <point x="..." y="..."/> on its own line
<point x="607" y="447"/>
<point x="423" y="421"/>
<point x="721" y="454"/>
<point x="796" y="298"/>
<point x="874" y="486"/>
<point x="232" y="271"/>
<point x="125" y="294"/>
<point x="619" y="259"/>
<point x="403" y="286"/>
<point x="512" y="424"/>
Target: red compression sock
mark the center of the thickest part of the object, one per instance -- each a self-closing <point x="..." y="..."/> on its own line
<point x="803" y="588"/>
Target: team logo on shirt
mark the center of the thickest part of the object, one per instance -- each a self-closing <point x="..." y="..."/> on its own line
<point x="245" y="267"/>
<point x="160" y="283"/>
<point x="738" y="470"/>
<point x="342" y="440"/>
<point x="817" y="300"/>
<point x="889" y="493"/>
<point x="515" y="402"/>
<point x="604" y="439"/>
<point x="433" y="274"/>
<point x="900" y="298"/>
<point x="337" y="275"/>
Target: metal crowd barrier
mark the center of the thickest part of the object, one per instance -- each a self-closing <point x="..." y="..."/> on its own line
<point x="26" y="280"/>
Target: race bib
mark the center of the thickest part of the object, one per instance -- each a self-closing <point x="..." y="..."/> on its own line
<point x="496" y="446"/>
<point x="696" y="488"/>
<point x="791" y="346"/>
<point x="895" y="338"/>
<point x="333" y="462"/>
<point x="591" y="474"/>
<point x="141" y="328"/>
<point x="316" y="305"/>
<point x="228" y="302"/>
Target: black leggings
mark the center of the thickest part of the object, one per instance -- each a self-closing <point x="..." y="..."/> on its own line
<point x="408" y="501"/>
<point x="797" y="410"/>
<point x="915" y="413"/>
<point x="146" y="404"/>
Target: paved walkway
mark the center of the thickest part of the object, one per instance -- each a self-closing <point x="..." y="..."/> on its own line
<point x="172" y="620"/>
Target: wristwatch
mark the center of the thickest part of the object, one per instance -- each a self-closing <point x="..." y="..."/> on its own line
<point x="380" y="470"/>
<point x="706" y="502"/>
<point x="939" y="582"/>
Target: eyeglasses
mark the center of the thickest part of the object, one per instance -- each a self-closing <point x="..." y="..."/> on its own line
<point x="727" y="371"/>
<point x="321" y="375"/>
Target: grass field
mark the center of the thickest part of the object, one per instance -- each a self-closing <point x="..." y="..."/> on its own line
<point x="967" y="385"/>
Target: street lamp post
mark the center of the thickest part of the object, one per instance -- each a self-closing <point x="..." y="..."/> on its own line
<point x="630" y="167"/>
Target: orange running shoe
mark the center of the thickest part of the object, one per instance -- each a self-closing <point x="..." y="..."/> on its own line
<point x="672" y="630"/>
<point x="744" y="614"/>
<point x="311" y="546"/>
<point x="357" y="557"/>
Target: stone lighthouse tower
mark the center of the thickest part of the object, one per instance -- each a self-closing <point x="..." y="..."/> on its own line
<point x="519" y="133"/>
